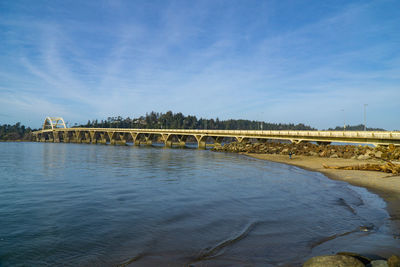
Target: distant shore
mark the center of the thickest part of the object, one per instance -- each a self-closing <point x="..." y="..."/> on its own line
<point x="383" y="184"/>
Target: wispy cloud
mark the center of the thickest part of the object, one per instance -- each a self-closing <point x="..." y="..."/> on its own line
<point x="210" y="59"/>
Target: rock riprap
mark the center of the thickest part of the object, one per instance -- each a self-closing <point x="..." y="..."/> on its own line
<point x="333" y="261"/>
<point x="389" y="152"/>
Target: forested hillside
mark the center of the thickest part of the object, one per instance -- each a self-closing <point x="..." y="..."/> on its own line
<point x="15" y="132"/>
<point x="170" y="120"/>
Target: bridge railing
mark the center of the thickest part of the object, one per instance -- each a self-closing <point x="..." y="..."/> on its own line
<point x="361" y="134"/>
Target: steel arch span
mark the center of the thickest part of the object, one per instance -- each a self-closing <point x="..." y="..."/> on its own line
<point x="53" y="123"/>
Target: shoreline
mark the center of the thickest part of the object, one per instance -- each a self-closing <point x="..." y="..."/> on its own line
<point x="382" y="184"/>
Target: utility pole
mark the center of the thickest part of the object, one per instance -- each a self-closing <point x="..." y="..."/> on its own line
<point x="344" y="120"/>
<point x="365" y="117"/>
<point x="262" y="121"/>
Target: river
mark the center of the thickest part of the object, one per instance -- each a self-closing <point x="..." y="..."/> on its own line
<point x="84" y="205"/>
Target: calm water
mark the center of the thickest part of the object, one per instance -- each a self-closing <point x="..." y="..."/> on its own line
<point x="68" y="204"/>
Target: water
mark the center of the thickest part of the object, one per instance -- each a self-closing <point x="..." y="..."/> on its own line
<point x="84" y="205"/>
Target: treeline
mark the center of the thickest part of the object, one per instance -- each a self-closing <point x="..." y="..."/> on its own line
<point x="359" y="127"/>
<point x="170" y="120"/>
<point x="16" y="132"/>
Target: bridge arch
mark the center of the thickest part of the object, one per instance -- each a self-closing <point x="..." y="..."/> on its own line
<point x="53" y="122"/>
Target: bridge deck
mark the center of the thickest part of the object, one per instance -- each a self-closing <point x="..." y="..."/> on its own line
<point x="92" y="135"/>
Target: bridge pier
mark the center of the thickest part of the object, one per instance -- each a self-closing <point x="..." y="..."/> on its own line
<point x="111" y="137"/>
<point x="201" y="141"/>
<point x="77" y="137"/>
<point x="242" y="139"/>
<point x="101" y="139"/>
<point x="148" y="139"/>
<point x="181" y="140"/>
<point x="56" y="137"/>
<point x="178" y="137"/>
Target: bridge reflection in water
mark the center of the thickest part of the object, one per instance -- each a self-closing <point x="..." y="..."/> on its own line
<point x="55" y="130"/>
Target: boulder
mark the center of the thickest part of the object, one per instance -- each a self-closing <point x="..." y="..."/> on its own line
<point x="378" y="154"/>
<point x="333" y="261"/>
<point x="334" y="156"/>
<point x="363" y="259"/>
<point x="378" y="263"/>
<point x="363" y="157"/>
<point x="394" y="261"/>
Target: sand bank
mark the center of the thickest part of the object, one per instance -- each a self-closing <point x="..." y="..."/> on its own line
<point x="383" y="184"/>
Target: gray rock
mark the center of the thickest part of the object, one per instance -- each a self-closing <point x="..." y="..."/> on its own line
<point x="364" y="259"/>
<point x="379" y="263"/>
<point x="363" y="157"/>
<point x="394" y="261"/>
<point x="333" y="261"/>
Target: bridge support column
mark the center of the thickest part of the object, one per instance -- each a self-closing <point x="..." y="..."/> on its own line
<point x="167" y="139"/>
<point x="42" y="138"/>
<point x="182" y="140"/>
<point x="56" y="137"/>
<point x="241" y="139"/>
<point x="148" y="139"/>
<point x="201" y="141"/>
<point x="297" y="141"/>
<point x="65" y="136"/>
<point x="51" y="137"/>
<point x="122" y="140"/>
<point x="93" y="139"/>
<point x="134" y="138"/>
<point x="87" y="138"/>
<point x="111" y="136"/>
<point x="78" y="137"/>
<point x="102" y="139"/>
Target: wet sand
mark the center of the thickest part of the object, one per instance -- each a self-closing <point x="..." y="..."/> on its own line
<point x="383" y="184"/>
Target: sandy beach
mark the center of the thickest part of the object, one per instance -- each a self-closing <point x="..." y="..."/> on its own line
<point x="383" y="184"/>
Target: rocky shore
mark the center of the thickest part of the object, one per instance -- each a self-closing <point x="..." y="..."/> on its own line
<point x="309" y="149"/>
<point x="344" y="259"/>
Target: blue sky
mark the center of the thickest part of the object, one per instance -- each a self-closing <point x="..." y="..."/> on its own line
<point x="315" y="62"/>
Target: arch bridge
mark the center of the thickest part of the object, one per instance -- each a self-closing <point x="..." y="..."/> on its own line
<point x="55" y="130"/>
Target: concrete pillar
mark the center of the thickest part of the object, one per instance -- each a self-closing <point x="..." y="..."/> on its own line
<point x="103" y="139"/>
<point x="66" y="138"/>
<point x="201" y="144"/>
<point x="167" y="140"/>
<point x="182" y="140"/>
<point x="51" y="137"/>
<point x="56" y="137"/>
<point x="111" y="136"/>
<point x="241" y="139"/>
<point x="168" y="143"/>
<point x="201" y="141"/>
<point x="135" y="138"/>
<point x="148" y="139"/>
<point x="93" y="139"/>
<point x="121" y="141"/>
<point x="78" y="137"/>
<point x="87" y="138"/>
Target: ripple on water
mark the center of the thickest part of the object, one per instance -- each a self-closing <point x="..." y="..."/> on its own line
<point x="105" y="205"/>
